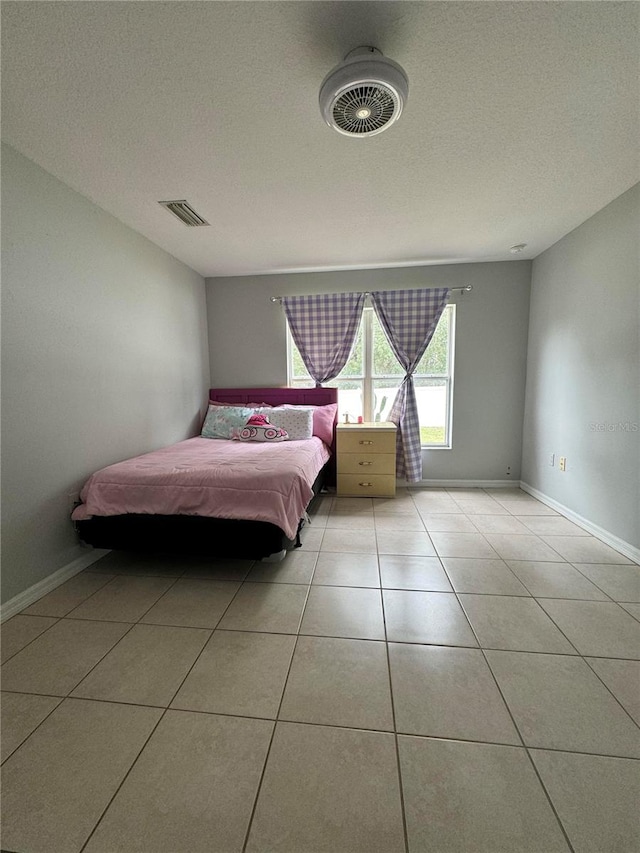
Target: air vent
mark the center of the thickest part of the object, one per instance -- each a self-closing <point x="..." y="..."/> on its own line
<point x="184" y="212"/>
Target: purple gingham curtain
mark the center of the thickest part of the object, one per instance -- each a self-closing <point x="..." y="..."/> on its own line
<point x="409" y="319"/>
<point x="324" y="328"/>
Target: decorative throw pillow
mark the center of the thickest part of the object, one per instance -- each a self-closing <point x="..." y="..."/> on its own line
<point x="221" y="420"/>
<point x="298" y="423"/>
<point x="258" y="420"/>
<point x="259" y="433"/>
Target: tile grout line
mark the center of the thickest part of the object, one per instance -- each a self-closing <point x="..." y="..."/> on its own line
<point x="580" y="654"/>
<point x="105" y="586"/>
<point x="564" y="751"/>
<point x="362" y="586"/>
<point x="275" y="722"/>
<point x="98" y="662"/>
<point x="356" y="586"/>
<point x="548" y="795"/>
<point x="55" y="708"/>
<point x="621" y="604"/>
<point x="208" y="640"/>
<point x="341" y="637"/>
<point x="479" y="646"/>
<point x="548" y="615"/>
<point x="517" y="728"/>
<point x="595" y="672"/>
<point x="597" y="586"/>
<point x="91" y="594"/>
<point x="124" y="778"/>
<point x="395" y="728"/>
<point x="526" y="586"/>
<point x="41" y="634"/>
<point x="344" y="637"/>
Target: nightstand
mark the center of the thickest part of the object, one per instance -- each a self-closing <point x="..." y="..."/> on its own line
<point x="366" y="456"/>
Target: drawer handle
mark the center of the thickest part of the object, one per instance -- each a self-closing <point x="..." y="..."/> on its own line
<point x="365" y="463"/>
<point x="366" y="442"/>
<point x="365" y="484"/>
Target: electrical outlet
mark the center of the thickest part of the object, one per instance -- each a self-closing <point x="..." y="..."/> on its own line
<point x="508" y="470"/>
<point x="552" y="459"/>
<point x="563" y="463"/>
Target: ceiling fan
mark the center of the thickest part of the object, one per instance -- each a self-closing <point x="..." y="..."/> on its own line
<point x="364" y="94"/>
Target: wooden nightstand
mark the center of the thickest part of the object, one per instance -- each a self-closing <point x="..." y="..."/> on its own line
<point x="366" y="455"/>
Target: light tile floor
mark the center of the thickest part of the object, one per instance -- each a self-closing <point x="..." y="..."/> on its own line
<point x="453" y="670"/>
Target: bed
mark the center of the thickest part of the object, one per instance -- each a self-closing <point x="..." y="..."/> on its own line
<point x="221" y="498"/>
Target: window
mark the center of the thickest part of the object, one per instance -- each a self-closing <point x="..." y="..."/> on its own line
<point x="369" y="381"/>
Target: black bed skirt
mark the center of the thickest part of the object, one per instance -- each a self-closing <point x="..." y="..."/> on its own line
<point x="185" y="534"/>
<point x="189" y="534"/>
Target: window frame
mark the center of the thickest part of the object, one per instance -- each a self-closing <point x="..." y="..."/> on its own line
<point x="369" y="378"/>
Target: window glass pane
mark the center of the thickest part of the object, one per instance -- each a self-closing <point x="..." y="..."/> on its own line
<point x="299" y="371"/>
<point x="384" y="361"/>
<point x="384" y="393"/>
<point x="431" y="397"/>
<point x="436" y="357"/>
<point x="349" y="398"/>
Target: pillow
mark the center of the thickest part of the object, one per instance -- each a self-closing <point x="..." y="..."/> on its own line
<point x="258" y="420"/>
<point x="323" y="420"/>
<point x="259" y="433"/>
<point x="298" y="423"/>
<point x="221" y="420"/>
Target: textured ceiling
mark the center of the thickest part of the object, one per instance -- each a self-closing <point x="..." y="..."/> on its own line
<point x="522" y="121"/>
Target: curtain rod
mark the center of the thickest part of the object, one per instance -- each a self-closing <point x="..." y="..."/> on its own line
<point x="466" y="289"/>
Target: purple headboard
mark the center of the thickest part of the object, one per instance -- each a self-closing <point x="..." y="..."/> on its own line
<point x="276" y="396"/>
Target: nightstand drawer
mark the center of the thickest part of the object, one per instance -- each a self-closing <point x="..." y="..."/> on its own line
<point x="367" y="441"/>
<point x="364" y="464"/>
<point x="365" y="485"/>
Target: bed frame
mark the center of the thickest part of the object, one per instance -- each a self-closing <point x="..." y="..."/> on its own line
<point x="216" y="537"/>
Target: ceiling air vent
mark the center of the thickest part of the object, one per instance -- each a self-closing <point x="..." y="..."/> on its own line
<point x="184" y="212"/>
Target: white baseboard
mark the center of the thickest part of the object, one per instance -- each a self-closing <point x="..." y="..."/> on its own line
<point x="463" y="484"/>
<point x="605" y="536"/>
<point x="28" y="596"/>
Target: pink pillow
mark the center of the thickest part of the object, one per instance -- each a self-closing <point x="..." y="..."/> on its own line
<point x="323" y="420"/>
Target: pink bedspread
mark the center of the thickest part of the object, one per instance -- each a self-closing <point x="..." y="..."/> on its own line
<point x="218" y="479"/>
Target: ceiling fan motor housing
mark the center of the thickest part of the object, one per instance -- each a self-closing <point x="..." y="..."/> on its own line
<point x="364" y="94"/>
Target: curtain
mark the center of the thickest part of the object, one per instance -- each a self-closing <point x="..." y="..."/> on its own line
<point x="324" y="328"/>
<point x="409" y="319"/>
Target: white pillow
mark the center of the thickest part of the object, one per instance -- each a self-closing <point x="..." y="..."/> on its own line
<point x="259" y="433"/>
<point x="297" y="422"/>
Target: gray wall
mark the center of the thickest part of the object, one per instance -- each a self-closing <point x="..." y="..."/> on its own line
<point x="583" y="371"/>
<point x="247" y="335"/>
<point x="104" y="355"/>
